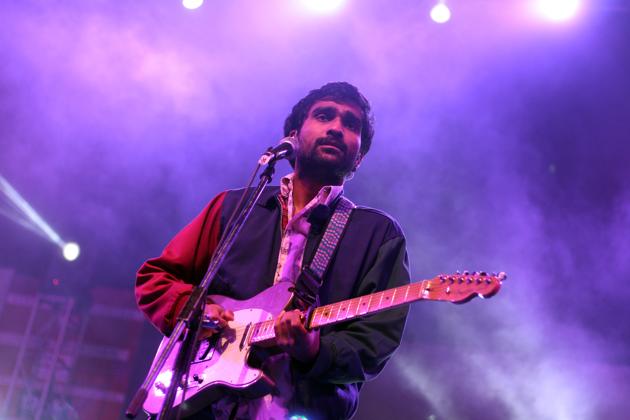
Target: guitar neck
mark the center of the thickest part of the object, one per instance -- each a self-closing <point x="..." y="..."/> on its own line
<point x="349" y="309"/>
<point x="455" y="288"/>
<point x="366" y="305"/>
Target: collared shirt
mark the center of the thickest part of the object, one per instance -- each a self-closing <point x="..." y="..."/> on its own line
<point x="296" y="227"/>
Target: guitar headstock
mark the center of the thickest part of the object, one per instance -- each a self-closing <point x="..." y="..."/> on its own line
<point x="462" y="287"/>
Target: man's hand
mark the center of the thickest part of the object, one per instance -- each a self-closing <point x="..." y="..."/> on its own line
<point x="217" y="314"/>
<point x="292" y="337"/>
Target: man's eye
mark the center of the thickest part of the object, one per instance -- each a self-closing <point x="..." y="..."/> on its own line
<point x="322" y="116"/>
<point x="353" y="124"/>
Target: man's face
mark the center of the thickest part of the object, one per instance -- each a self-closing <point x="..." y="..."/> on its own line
<point x="329" y="140"/>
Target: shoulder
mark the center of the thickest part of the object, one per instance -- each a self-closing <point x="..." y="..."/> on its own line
<point x="377" y="220"/>
<point x="232" y="197"/>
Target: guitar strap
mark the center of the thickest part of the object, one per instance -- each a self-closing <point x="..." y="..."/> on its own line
<point x="311" y="277"/>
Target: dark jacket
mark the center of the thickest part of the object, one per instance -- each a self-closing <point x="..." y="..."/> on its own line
<point x="371" y="256"/>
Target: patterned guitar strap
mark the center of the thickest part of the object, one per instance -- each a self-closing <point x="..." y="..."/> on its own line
<point x="309" y="281"/>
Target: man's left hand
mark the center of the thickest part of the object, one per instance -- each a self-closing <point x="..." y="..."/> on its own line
<point x="294" y="338"/>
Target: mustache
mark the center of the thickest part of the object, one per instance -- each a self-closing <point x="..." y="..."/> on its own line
<point x="330" y="141"/>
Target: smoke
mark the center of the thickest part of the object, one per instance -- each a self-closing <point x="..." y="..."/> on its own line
<point x="499" y="146"/>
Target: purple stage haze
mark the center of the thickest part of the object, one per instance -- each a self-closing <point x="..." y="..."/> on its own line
<point x="502" y="144"/>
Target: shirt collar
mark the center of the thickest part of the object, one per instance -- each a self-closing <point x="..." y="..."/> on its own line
<point x="326" y="195"/>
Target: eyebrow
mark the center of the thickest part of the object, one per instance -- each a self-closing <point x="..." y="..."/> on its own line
<point x="329" y="108"/>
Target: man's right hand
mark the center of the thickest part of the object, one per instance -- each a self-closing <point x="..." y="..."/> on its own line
<point x="217" y="314"/>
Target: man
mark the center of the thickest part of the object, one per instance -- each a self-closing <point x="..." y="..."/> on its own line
<point x="320" y="372"/>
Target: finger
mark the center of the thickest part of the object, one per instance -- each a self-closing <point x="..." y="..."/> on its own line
<point x="277" y="329"/>
<point x="228" y="315"/>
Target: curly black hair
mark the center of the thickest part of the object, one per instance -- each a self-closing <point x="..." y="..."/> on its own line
<point x="341" y="92"/>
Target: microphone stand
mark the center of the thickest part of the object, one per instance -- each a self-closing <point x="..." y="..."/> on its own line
<point x="188" y="322"/>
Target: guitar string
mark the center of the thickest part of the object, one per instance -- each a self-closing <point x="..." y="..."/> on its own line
<point x="331" y="308"/>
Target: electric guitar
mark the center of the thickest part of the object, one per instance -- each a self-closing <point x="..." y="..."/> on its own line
<point x="226" y="361"/>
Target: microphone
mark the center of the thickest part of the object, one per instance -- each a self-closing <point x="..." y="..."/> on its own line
<point x="283" y="150"/>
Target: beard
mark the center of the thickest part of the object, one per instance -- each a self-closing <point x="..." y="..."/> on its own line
<point x="314" y="164"/>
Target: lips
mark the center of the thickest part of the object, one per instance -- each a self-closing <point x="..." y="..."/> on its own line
<point x="332" y="143"/>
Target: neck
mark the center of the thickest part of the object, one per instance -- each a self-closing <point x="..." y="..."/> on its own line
<point x="304" y="190"/>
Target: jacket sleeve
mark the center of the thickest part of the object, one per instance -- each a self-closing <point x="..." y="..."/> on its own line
<point x="358" y="350"/>
<point x="164" y="283"/>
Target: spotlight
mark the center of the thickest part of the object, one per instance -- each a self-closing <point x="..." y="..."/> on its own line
<point x="192" y="4"/>
<point x="440" y="13"/>
<point x="558" y="10"/>
<point x="71" y="251"/>
<point x="323" y="6"/>
<point x="29" y="218"/>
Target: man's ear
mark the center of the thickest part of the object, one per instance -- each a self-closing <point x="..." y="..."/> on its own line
<point x="293" y="133"/>
<point x="357" y="163"/>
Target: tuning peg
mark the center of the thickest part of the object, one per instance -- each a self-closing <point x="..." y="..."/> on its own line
<point x="466" y="273"/>
<point x="502" y="276"/>
<point x="483" y="273"/>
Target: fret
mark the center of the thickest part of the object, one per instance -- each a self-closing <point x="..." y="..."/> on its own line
<point x="337" y="306"/>
<point x="361" y="305"/>
<point x="400" y="296"/>
<point x="380" y="301"/>
<point x="393" y="301"/>
<point x="369" y="305"/>
<point x="352" y="313"/>
<point x="344" y="307"/>
<point x="317" y="318"/>
<point x="406" y="292"/>
<point x="324" y="318"/>
<point x="331" y="311"/>
<point x="321" y="315"/>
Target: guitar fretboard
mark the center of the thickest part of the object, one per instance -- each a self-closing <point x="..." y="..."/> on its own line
<point x="349" y="309"/>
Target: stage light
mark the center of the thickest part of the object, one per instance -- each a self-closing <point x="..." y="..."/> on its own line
<point x="440" y="13"/>
<point x="558" y="10"/>
<point x="71" y="251"/>
<point x="323" y="6"/>
<point x="192" y="4"/>
<point x="30" y="219"/>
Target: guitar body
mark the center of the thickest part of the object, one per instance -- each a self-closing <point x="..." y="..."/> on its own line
<point x="221" y="363"/>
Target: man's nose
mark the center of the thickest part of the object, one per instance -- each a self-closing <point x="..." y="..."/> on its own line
<point x="335" y="129"/>
<point x="334" y="133"/>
